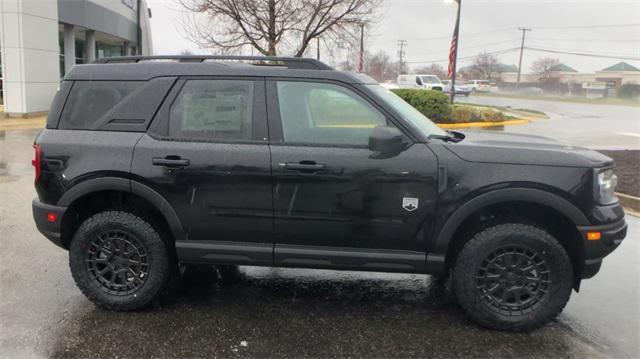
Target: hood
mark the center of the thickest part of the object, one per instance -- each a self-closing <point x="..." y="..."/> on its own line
<point x="500" y="147"/>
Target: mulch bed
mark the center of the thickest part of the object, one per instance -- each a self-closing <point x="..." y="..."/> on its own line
<point x="627" y="169"/>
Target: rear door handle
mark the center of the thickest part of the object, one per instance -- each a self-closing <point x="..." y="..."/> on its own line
<point x="305" y="166"/>
<point x="171" y="162"/>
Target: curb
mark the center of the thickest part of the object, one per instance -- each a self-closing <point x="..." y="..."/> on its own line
<point x="482" y="124"/>
<point x="630" y="203"/>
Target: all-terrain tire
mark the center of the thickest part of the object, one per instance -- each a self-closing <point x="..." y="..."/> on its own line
<point x="157" y="272"/>
<point x="498" y="302"/>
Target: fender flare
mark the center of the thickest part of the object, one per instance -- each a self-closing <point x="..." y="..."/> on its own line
<point x="444" y="237"/>
<point x="126" y="185"/>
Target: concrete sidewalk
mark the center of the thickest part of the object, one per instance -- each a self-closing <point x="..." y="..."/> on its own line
<point x="28" y="123"/>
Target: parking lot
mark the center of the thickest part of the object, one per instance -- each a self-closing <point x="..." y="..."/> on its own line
<point x="280" y="312"/>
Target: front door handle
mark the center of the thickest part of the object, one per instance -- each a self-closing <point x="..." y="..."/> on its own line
<point x="172" y="162"/>
<point x="305" y="166"/>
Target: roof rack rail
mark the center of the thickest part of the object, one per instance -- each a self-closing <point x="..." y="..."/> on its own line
<point x="299" y="63"/>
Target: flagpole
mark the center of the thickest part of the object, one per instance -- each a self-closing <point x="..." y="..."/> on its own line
<point x="453" y="63"/>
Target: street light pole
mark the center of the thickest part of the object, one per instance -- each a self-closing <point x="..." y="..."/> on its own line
<point x="454" y="49"/>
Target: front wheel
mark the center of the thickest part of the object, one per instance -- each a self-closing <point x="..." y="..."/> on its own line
<point x="119" y="260"/>
<point x="512" y="277"/>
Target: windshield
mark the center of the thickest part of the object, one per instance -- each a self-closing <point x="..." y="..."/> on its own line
<point x="408" y="112"/>
<point x="430" y="79"/>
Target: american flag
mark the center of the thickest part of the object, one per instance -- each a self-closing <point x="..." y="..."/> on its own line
<point x="452" y="53"/>
<point x="454" y="45"/>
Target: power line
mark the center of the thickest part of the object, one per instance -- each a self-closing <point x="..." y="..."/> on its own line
<point x="584" y="54"/>
<point x="535" y="27"/>
<point x="472" y="47"/>
<point x="584" y="26"/>
<point x="465" y="35"/>
<point x="591" y="52"/>
<point x="584" y="40"/>
<point x="496" y="52"/>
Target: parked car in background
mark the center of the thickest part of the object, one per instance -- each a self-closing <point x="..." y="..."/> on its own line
<point x="389" y="85"/>
<point x="460" y="89"/>
<point x="479" y="85"/>
<point x="420" y="81"/>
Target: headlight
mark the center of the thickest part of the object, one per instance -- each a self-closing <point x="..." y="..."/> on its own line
<point x="606" y="187"/>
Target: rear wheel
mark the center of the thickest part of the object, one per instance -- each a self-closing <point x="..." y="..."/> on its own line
<point x="512" y="277"/>
<point x="119" y="260"/>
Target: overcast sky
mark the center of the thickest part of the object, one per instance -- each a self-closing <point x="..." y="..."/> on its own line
<point x="585" y="26"/>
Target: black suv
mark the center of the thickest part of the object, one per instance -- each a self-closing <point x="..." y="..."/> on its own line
<point x="151" y="164"/>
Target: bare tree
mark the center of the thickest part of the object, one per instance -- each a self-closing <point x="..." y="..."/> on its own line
<point x="484" y="65"/>
<point x="380" y="66"/>
<point x="433" y="69"/>
<point x="544" y="65"/>
<point x="273" y="27"/>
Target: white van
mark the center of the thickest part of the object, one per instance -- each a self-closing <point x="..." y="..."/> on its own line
<point x="419" y="81"/>
<point x="479" y="85"/>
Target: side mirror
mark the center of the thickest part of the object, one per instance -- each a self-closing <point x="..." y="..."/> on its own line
<point x="387" y="140"/>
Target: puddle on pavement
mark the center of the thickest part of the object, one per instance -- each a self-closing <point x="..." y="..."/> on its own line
<point x="297" y="312"/>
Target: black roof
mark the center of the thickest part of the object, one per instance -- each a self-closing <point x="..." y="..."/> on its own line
<point x="145" y="68"/>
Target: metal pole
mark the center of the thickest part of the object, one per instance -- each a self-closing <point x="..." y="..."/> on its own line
<point x="361" y="62"/>
<point x="524" y="31"/>
<point x="402" y="44"/>
<point x="456" y="32"/>
<point x="318" y="48"/>
<point x="138" y="13"/>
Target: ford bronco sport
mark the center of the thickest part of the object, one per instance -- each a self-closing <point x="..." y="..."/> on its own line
<point x="149" y="164"/>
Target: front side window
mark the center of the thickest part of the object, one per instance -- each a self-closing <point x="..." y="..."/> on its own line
<point x="213" y="109"/>
<point x="430" y="79"/>
<point x="408" y="112"/>
<point x="321" y="113"/>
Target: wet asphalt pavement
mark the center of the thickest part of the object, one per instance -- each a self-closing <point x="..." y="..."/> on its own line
<point x="611" y="127"/>
<point x="281" y="312"/>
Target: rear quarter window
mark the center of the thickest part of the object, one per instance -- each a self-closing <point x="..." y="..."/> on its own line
<point x="88" y="101"/>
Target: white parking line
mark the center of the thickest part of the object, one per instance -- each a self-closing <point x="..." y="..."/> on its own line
<point x="632" y="134"/>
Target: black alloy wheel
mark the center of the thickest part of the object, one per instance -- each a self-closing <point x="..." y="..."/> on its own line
<point x="513" y="280"/>
<point x="117" y="262"/>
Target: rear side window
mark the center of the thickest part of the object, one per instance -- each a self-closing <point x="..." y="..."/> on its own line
<point x="213" y="110"/>
<point x="88" y="101"/>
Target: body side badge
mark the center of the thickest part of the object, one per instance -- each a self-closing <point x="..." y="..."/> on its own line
<point x="410" y="203"/>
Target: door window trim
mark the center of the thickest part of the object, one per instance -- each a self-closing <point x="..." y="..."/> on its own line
<point x="275" y="120"/>
<point x="159" y="128"/>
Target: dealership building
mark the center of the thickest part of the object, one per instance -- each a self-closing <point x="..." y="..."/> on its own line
<point x="40" y="40"/>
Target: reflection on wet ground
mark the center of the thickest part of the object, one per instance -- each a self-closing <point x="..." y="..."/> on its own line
<point x="293" y="313"/>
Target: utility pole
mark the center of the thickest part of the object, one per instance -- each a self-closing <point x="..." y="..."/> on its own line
<point x="402" y="44"/>
<point x="318" y="48"/>
<point x="361" y="59"/>
<point x="524" y="31"/>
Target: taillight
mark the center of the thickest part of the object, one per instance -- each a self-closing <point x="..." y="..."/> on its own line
<point x="37" y="162"/>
